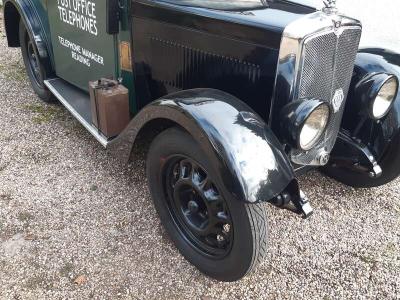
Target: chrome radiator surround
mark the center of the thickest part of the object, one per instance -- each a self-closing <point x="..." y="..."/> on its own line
<point x="316" y="60"/>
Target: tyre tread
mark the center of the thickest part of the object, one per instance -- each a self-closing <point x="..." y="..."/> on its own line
<point x="258" y="221"/>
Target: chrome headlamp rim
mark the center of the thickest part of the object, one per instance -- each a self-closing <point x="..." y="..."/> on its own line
<point x="317" y="137"/>
<point x="367" y="90"/>
<point x="294" y="118"/>
<point x="381" y="82"/>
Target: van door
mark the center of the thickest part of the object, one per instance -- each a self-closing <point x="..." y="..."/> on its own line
<point x="83" y="51"/>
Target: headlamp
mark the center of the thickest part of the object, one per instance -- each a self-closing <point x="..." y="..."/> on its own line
<point x="384" y="99"/>
<point x="304" y="122"/>
<point x="376" y="93"/>
<point x="314" y="127"/>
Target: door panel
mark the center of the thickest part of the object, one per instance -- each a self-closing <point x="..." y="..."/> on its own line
<point x="83" y="51"/>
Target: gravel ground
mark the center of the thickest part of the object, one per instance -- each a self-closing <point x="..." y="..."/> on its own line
<point x="75" y="224"/>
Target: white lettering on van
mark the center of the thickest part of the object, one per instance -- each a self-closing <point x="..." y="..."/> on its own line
<point x="80" y="54"/>
<point x="79" y="13"/>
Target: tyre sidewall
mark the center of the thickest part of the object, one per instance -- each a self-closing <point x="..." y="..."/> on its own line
<point x="237" y="263"/>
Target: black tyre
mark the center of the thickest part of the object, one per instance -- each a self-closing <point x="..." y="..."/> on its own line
<point x="224" y="238"/>
<point x="34" y="68"/>
<point x="389" y="162"/>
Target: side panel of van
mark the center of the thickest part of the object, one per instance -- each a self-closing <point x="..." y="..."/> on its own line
<point x="83" y="51"/>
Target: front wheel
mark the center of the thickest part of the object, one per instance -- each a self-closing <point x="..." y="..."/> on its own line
<point x="224" y="238"/>
<point x="33" y="66"/>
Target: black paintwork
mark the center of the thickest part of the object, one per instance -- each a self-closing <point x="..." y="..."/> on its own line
<point x="376" y="134"/>
<point x="246" y="155"/>
<point x="354" y="156"/>
<point x="381" y="137"/>
<point x="179" y="47"/>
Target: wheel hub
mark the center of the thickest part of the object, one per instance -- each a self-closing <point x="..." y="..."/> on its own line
<point x="198" y="209"/>
<point x="193" y="208"/>
<point x="34" y="61"/>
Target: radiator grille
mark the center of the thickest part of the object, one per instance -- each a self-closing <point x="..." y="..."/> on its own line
<point x="326" y="67"/>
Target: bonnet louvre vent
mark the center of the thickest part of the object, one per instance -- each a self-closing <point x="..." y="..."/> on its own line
<point x="186" y="68"/>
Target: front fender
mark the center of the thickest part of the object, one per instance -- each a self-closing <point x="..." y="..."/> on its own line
<point x="34" y="16"/>
<point x="246" y="155"/>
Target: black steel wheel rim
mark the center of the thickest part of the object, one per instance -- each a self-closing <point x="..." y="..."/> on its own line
<point x="33" y="61"/>
<point x="197" y="208"/>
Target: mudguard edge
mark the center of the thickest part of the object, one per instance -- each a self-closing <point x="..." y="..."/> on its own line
<point x="248" y="158"/>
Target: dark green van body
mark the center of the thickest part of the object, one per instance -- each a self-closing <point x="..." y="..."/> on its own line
<point x="69" y="51"/>
<point x="78" y="36"/>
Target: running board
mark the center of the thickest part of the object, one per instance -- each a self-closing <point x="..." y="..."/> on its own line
<point x="78" y="104"/>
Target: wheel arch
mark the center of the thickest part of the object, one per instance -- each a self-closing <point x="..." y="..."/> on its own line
<point x="248" y="158"/>
<point x="11" y="23"/>
<point x="16" y="10"/>
<point x="148" y="132"/>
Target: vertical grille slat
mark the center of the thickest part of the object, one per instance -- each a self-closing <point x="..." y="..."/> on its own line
<point x="326" y="66"/>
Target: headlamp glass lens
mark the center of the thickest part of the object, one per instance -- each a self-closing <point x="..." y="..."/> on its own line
<point x="384" y="99"/>
<point x="314" y="127"/>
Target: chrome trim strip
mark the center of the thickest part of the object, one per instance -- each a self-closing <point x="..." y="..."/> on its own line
<point x="93" y="130"/>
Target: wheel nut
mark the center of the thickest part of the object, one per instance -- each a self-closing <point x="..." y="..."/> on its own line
<point x="220" y="238"/>
<point x="227" y="227"/>
<point x="193" y="207"/>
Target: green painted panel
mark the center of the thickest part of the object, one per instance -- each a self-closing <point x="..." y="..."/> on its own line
<point x="83" y="51"/>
